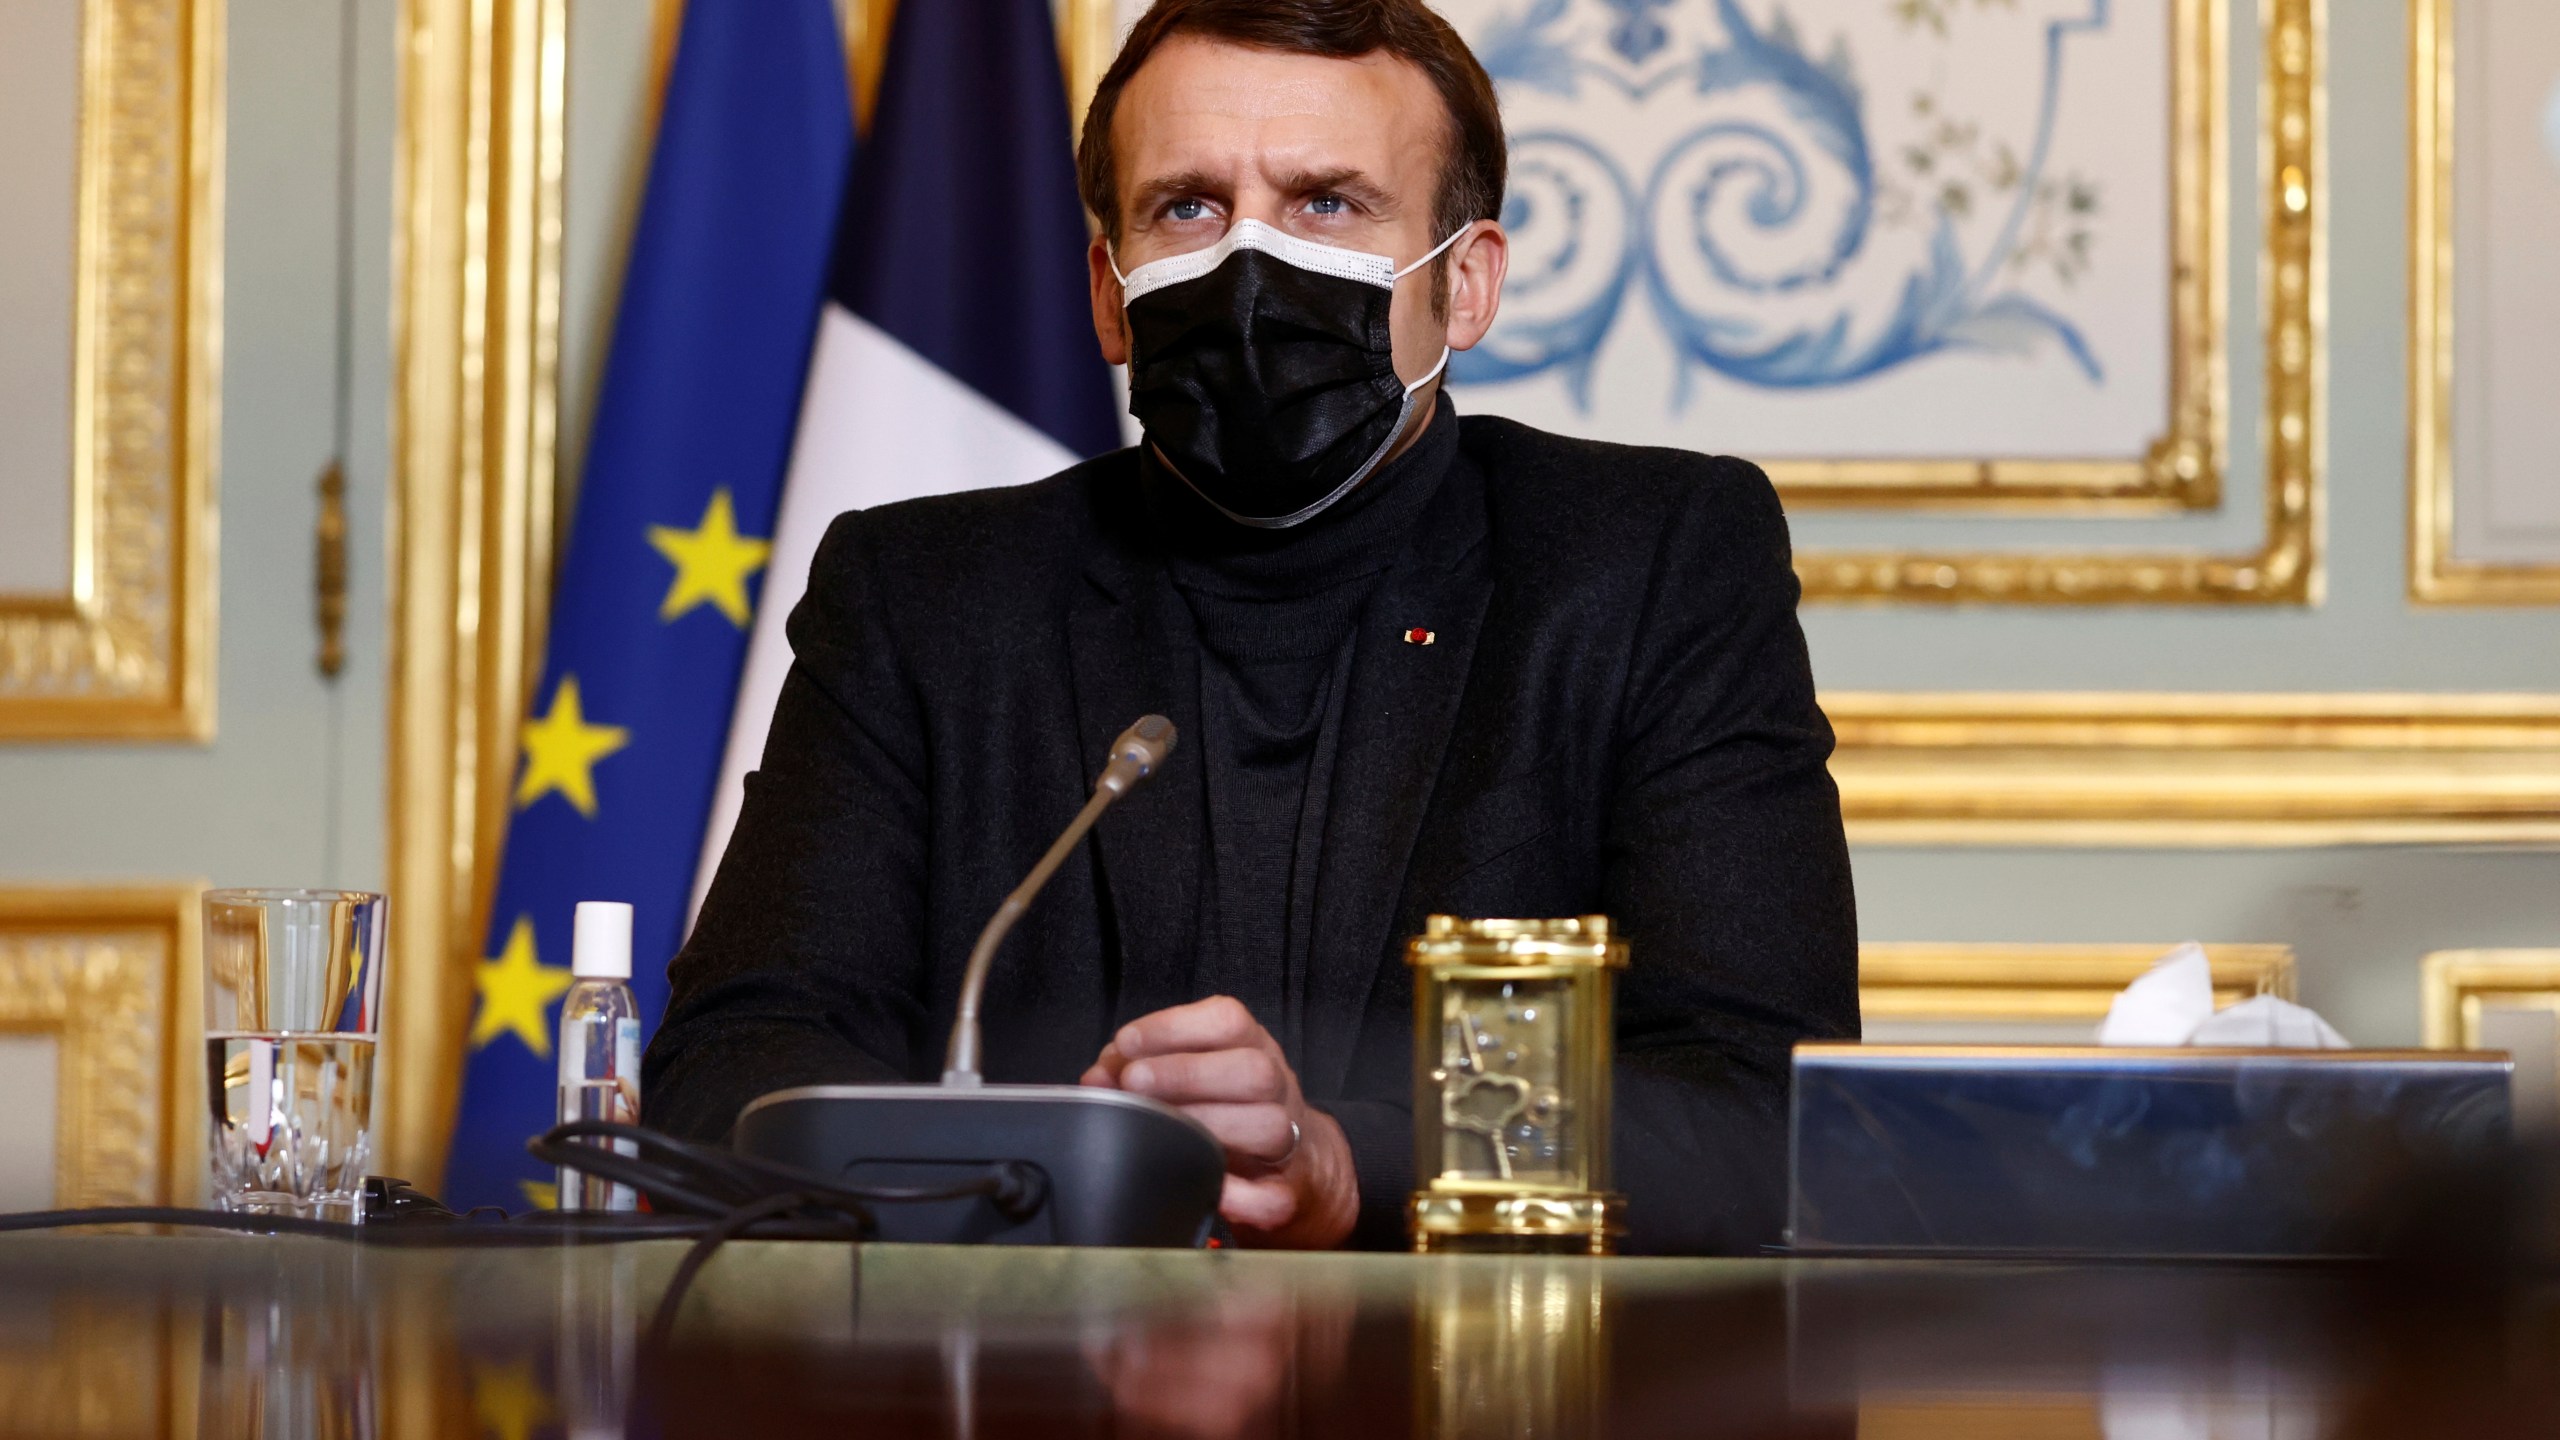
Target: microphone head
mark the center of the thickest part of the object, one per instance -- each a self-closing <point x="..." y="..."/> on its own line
<point x="1144" y="746"/>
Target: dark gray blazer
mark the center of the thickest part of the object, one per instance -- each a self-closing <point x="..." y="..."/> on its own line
<point x="1616" y="716"/>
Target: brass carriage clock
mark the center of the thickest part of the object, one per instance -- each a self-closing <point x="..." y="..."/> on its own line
<point x="1511" y="1053"/>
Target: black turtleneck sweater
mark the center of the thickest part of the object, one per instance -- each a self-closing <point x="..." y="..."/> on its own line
<point x="1273" y="613"/>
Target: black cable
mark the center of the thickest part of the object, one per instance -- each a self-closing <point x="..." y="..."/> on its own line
<point x="713" y="1182"/>
<point x="539" y="1228"/>
<point x="699" y="1254"/>
<point x="746" y="1193"/>
<point x="696" y="1192"/>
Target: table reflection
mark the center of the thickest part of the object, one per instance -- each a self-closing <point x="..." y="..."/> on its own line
<point x="290" y="1351"/>
<point x="1512" y="1347"/>
<point x="1237" y="1366"/>
<point x="143" y="1336"/>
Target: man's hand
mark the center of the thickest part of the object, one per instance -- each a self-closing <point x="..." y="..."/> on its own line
<point x="1211" y="1059"/>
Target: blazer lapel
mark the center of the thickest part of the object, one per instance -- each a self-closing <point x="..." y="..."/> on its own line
<point x="1402" y="704"/>
<point x="1148" y="846"/>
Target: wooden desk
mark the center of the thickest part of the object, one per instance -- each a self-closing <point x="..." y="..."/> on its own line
<point x="144" y="1336"/>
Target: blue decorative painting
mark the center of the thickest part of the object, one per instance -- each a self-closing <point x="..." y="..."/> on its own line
<point x="1830" y="229"/>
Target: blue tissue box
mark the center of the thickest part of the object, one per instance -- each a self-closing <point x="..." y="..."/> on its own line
<point x="2047" y="1150"/>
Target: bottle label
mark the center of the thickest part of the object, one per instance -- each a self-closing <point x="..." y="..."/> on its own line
<point x="624" y="1070"/>
<point x="626" y="1066"/>
<point x="607" y="1089"/>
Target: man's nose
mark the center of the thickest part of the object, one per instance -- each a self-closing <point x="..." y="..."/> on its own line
<point x="1258" y="203"/>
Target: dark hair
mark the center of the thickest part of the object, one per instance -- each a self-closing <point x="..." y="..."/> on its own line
<point x="1472" y="167"/>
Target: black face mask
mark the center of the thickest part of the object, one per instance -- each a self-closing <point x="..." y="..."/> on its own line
<point x="1264" y="372"/>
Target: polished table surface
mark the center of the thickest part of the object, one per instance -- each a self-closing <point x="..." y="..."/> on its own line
<point x="155" y="1335"/>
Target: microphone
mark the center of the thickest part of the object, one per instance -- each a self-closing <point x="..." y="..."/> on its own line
<point x="1138" y="753"/>
<point x="1115" y="1168"/>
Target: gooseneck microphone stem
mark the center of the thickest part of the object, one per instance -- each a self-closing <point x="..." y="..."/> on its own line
<point x="1134" y="756"/>
<point x="961" y="1066"/>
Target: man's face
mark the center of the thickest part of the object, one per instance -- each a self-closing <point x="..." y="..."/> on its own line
<point x="1343" y="152"/>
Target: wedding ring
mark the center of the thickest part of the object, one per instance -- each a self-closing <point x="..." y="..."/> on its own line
<point x="1292" y="1152"/>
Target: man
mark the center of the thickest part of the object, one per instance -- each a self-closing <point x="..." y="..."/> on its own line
<point x="1418" y="665"/>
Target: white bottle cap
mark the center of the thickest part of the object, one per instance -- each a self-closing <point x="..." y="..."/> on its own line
<point x="602" y="950"/>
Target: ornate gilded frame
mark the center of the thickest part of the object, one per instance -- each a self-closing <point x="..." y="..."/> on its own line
<point x="1996" y="982"/>
<point x="2285" y="568"/>
<point x="2436" y="575"/>
<point x="2458" y="983"/>
<point x="2197" y="770"/>
<point x="113" y="974"/>
<point x="476" y="325"/>
<point x="128" y="652"/>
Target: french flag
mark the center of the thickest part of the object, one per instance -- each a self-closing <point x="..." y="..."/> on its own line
<point x="956" y="349"/>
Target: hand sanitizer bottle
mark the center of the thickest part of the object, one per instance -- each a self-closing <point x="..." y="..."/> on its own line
<point x="600" y="1045"/>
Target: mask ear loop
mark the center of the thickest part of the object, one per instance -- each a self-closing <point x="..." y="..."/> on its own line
<point x="1428" y="257"/>
<point x="1434" y="252"/>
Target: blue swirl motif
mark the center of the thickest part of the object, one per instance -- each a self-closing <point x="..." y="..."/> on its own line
<point x="1746" y="224"/>
<point x="1638" y="32"/>
<point x="1569" y="272"/>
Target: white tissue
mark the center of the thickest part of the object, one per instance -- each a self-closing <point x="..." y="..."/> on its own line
<point x="2264" y="1022"/>
<point x="2172" y="1004"/>
<point x="2165" y="1004"/>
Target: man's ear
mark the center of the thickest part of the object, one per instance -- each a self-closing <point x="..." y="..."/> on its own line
<point x="1477" y="264"/>
<point x="1110" y="322"/>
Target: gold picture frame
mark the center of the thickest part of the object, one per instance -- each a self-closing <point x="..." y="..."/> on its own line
<point x="2458" y="983"/>
<point x="2458" y="991"/>
<point x="2436" y="575"/>
<point x="2011" y="983"/>
<point x="2197" y="769"/>
<point x="2286" y="567"/>
<point x="127" y="653"/>
<point x="114" y="975"/>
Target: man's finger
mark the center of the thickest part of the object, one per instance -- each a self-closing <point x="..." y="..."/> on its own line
<point x="1236" y="1076"/>
<point x="1218" y="1023"/>
<point x="1258" y="1204"/>
<point x="1257" y="1134"/>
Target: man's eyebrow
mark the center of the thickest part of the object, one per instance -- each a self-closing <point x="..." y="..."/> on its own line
<point x="1154" y="192"/>
<point x="1347" y="181"/>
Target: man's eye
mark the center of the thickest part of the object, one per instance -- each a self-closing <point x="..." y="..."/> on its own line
<point x="1328" y="205"/>
<point x="1187" y="209"/>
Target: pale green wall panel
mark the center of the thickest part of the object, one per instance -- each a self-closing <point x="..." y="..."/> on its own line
<point x="290" y="791"/>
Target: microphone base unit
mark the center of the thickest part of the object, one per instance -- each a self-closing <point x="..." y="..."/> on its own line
<point x="1121" y="1169"/>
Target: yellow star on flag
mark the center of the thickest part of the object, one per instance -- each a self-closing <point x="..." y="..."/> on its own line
<point x="712" y="561"/>
<point x="561" y="750"/>
<point x="516" y="991"/>
<point x="541" y="1194"/>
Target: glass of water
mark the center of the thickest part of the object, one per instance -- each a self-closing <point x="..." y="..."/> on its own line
<point x="292" y="1008"/>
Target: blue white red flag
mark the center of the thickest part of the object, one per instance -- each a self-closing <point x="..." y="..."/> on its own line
<point x="956" y="348"/>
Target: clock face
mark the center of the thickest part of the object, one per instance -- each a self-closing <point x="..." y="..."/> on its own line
<point x="1504" y="1113"/>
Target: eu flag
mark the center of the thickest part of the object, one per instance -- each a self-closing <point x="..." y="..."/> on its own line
<point x="727" y="272"/>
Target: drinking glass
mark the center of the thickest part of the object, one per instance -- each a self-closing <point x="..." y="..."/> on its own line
<point x="292" y="1008"/>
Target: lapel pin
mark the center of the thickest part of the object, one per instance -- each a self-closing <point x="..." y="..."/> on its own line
<point x="1419" y="636"/>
